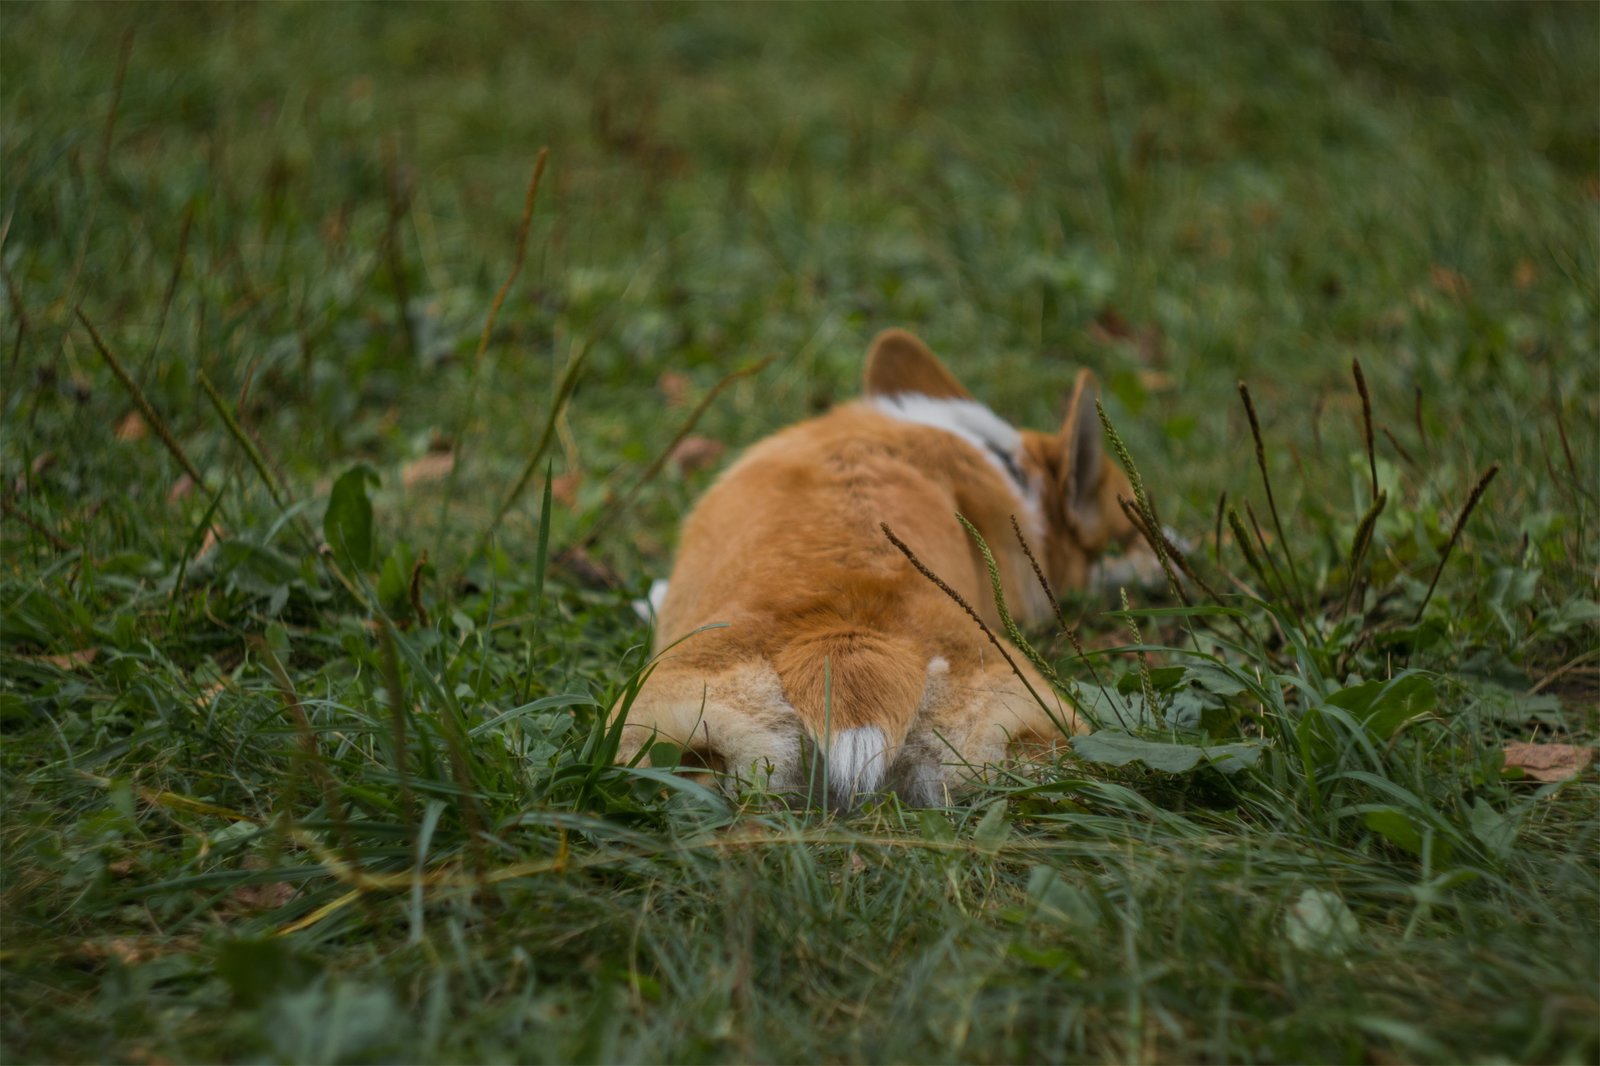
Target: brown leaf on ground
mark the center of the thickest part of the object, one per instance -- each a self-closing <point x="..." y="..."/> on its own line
<point x="1524" y="274"/>
<point x="586" y="568"/>
<point x="261" y="897"/>
<point x="564" y="488"/>
<point x="696" y="453"/>
<point x="1548" y="762"/>
<point x="1449" y="282"/>
<point x="434" y="466"/>
<point x="1109" y="327"/>
<point x="213" y="535"/>
<point x="41" y="462"/>
<point x="674" y="388"/>
<point x="180" y="488"/>
<point x="132" y="427"/>
<point x="72" y="659"/>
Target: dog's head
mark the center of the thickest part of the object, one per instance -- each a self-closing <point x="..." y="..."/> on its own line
<point x="1071" y="478"/>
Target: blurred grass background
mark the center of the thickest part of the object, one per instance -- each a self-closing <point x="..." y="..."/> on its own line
<point x="315" y="204"/>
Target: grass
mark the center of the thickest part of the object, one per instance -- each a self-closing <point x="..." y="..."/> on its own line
<point x="268" y="801"/>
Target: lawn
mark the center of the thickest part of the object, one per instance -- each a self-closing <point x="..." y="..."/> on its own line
<point x="341" y="433"/>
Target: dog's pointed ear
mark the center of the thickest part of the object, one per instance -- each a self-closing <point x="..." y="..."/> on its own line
<point x="1083" y="457"/>
<point x="899" y="363"/>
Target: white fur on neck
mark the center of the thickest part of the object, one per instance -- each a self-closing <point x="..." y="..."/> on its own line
<point x="979" y="427"/>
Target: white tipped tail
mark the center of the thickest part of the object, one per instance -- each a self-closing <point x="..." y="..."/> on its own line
<point x="857" y="760"/>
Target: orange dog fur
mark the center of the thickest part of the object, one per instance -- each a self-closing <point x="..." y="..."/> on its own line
<point x="832" y="642"/>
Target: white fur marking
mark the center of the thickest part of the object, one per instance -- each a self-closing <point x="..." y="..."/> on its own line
<point x="938" y="665"/>
<point x="856" y="760"/>
<point x="974" y="423"/>
<point x="648" y="607"/>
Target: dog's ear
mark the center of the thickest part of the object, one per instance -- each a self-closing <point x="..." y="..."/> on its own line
<point x="900" y="363"/>
<point x="1082" y="457"/>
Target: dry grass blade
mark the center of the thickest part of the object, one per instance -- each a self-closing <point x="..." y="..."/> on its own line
<point x="1266" y="552"/>
<point x="11" y="510"/>
<point x="1216" y="533"/>
<point x="1358" y="547"/>
<point x="155" y="421"/>
<point x="1146" y="508"/>
<point x="1455" y="534"/>
<point x="415" y="590"/>
<point x="1147" y="684"/>
<point x="1038" y="573"/>
<point x="1242" y="538"/>
<point x="17" y="309"/>
<point x="619" y="505"/>
<point x="1366" y="427"/>
<point x="172" y="287"/>
<point x="395" y="687"/>
<point x="398" y="193"/>
<point x="1397" y="446"/>
<point x="236" y="431"/>
<point x="1158" y="543"/>
<point x="569" y="380"/>
<point x="517" y="257"/>
<point x="1266" y="480"/>
<point x="310" y="752"/>
<point x="124" y="53"/>
<point x="961" y="602"/>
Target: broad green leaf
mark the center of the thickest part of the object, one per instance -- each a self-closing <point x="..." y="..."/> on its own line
<point x="935" y="827"/>
<point x="1384" y="706"/>
<point x="1320" y="921"/>
<point x="992" y="828"/>
<point x="347" y="525"/>
<point x="1113" y="747"/>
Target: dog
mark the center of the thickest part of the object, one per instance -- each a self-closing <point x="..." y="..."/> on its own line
<point x="797" y="646"/>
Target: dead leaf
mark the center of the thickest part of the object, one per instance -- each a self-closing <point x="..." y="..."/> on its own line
<point x="132" y="427"/>
<point x="41" y="462"/>
<point x="72" y="659"/>
<point x="1449" y="282"/>
<point x="431" y="467"/>
<point x="180" y="488"/>
<point x="674" y="388"/>
<point x="265" y="896"/>
<point x="1262" y="213"/>
<point x="1524" y="274"/>
<point x="564" y="488"/>
<point x="696" y="453"/>
<point x="586" y="568"/>
<point x="1109" y="327"/>
<point x="209" y="541"/>
<point x="1548" y="762"/>
<point x="1156" y="380"/>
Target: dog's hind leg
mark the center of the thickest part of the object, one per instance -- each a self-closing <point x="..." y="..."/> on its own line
<point x="736" y="721"/>
<point x="972" y="721"/>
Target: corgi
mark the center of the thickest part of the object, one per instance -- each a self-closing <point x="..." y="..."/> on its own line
<point x="827" y="641"/>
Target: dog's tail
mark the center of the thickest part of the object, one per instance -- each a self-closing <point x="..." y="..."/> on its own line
<point x="856" y="691"/>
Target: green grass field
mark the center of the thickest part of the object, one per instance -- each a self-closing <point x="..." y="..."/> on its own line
<point x="266" y="800"/>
